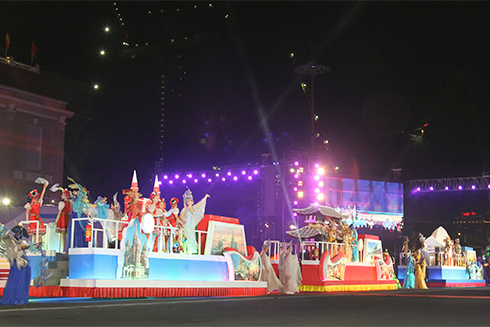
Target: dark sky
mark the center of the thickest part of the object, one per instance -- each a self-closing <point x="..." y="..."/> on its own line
<point x="395" y="66"/>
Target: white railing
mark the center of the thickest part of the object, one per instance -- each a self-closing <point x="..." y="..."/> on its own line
<point x="166" y="235"/>
<point x="27" y="222"/>
<point x="311" y="247"/>
<point x="437" y="259"/>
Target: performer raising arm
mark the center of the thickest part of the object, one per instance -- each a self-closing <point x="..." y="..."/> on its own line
<point x="190" y="216"/>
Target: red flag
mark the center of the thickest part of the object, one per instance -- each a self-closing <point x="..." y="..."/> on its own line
<point x="34" y="49"/>
<point x="7" y="40"/>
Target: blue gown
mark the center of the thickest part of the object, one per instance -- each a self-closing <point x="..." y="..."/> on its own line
<point x="409" y="281"/>
<point x="16" y="289"/>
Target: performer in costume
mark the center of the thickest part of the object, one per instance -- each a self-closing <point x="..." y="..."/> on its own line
<point x="409" y="279"/>
<point x="32" y="212"/>
<point x="268" y="273"/>
<point x="172" y="216"/>
<point x="113" y="227"/>
<point x="12" y="247"/>
<point x="419" y="263"/>
<point x="190" y="216"/>
<point x="80" y="206"/>
<point x="64" y="212"/>
<point x="292" y="272"/>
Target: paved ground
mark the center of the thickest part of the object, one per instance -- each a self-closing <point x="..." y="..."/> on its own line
<point x="435" y="307"/>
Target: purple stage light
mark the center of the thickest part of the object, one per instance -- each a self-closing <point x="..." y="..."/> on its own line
<point x="165" y="177"/>
<point x="235" y="178"/>
<point x="177" y="176"/>
<point x="317" y="178"/>
<point x="296" y="176"/>
<point x="159" y="182"/>
<point x="431" y="188"/>
<point x="223" y="179"/>
<point x="184" y="181"/>
<point x="446" y="188"/>
<point x="295" y="214"/>
<point x="217" y="175"/>
<point x="488" y="185"/>
<point x="203" y="175"/>
<point x="195" y="180"/>
<point x="249" y="178"/>
<point x="256" y="172"/>
<point x="189" y="175"/>
<point x="295" y="189"/>
<point x="229" y="173"/>
<point x="460" y="187"/>
<point x="209" y="180"/>
<point x="473" y="187"/>
<point x="418" y="189"/>
<point x="317" y="165"/>
<point x="243" y="172"/>
<point x="296" y="163"/>
<point x="317" y="190"/>
<point x="170" y="181"/>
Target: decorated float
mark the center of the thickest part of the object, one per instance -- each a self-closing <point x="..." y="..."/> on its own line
<point x="137" y="251"/>
<point x="448" y="263"/>
<point x="334" y="257"/>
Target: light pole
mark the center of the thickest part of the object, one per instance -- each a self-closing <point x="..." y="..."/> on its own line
<point x="312" y="69"/>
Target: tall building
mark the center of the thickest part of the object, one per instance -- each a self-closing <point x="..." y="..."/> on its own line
<point x="34" y="108"/>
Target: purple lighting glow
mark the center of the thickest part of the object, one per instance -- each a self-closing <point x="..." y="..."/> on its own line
<point x="460" y="187"/>
<point x="159" y="182"/>
<point x="446" y="188"/>
<point x="256" y="172"/>
<point x="418" y="189"/>
<point x="243" y="172"/>
<point x="223" y="179"/>
<point x="165" y="177"/>
<point x="229" y="173"/>
<point x="195" y="180"/>
<point x="184" y="181"/>
<point x="296" y="163"/>
<point x="203" y="175"/>
<point x="217" y="175"/>
<point x="170" y="181"/>
<point x="176" y="176"/>
<point x="431" y="188"/>
<point x="209" y="180"/>
<point x="249" y="178"/>
<point x="317" y="165"/>
<point x="189" y="175"/>
<point x="473" y="187"/>
<point x="235" y="178"/>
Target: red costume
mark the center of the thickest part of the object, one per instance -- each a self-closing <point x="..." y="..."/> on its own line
<point x="62" y="225"/>
<point x="34" y="209"/>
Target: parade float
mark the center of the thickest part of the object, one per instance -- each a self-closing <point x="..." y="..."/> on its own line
<point x="448" y="263"/>
<point x="334" y="257"/>
<point x="134" y="252"/>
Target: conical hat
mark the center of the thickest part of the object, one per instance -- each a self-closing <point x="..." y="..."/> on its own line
<point x="156" y="186"/>
<point x="134" y="182"/>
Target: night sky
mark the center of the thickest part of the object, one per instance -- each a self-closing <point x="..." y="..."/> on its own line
<point x="395" y="66"/>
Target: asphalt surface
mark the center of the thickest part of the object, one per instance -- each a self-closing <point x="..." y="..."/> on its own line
<point x="434" y="307"/>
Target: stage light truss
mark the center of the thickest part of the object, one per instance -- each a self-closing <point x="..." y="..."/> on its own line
<point x="449" y="184"/>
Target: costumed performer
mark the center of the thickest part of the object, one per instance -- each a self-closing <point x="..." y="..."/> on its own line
<point x="100" y="209"/>
<point x="64" y="212"/>
<point x="190" y="216"/>
<point x="113" y="227"/>
<point x="33" y="207"/>
<point x="157" y="209"/>
<point x="419" y="264"/>
<point x="172" y="216"/>
<point x="268" y="273"/>
<point x="80" y="206"/>
<point x="292" y="272"/>
<point x="409" y="278"/>
<point x="12" y="247"/>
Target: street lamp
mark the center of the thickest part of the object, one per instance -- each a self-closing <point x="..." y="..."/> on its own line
<point x="6" y="201"/>
<point x="312" y="69"/>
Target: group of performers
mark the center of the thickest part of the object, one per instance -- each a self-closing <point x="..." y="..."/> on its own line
<point x="289" y="271"/>
<point x="417" y="261"/>
<point x="176" y="231"/>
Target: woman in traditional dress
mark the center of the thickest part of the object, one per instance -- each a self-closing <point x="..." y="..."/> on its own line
<point x="419" y="271"/>
<point x="64" y="212"/>
<point x="190" y="216"/>
<point x="32" y="213"/>
<point x="409" y="280"/>
<point x="268" y="273"/>
<point x="292" y="272"/>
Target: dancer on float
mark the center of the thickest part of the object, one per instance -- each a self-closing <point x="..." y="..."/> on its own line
<point x="13" y="246"/>
<point x="190" y="216"/>
<point x="113" y="227"/>
<point x="268" y="273"/>
<point x="32" y="210"/>
<point x="172" y="216"/>
<point x="64" y="213"/>
<point x="80" y="206"/>
<point x="291" y="272"/>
